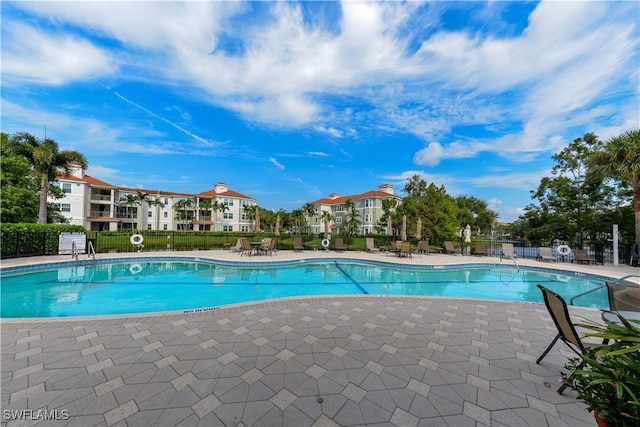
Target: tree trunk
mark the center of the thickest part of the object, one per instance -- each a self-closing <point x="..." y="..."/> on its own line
<point x="636" y="207"/>
<point x="44" y="191"/>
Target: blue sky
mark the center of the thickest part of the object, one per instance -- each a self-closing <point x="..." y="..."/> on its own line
<point x="290" y="101"/>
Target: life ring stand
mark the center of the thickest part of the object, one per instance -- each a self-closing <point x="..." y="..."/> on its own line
<point x="136" y="239"/>
<point x="563" y="250"/>
<point x="135" y="268"/>
<point x="325" y="243"/>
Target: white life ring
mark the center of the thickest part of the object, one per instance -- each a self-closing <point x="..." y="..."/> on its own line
<point x="325" y="243"/>
<point x="136" y="239"/>
<point x="563" y="250"/>
<point x="135" y="268"/>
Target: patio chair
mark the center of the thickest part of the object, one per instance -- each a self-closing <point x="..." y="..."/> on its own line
<point x="297" y="244"/>
<point x="270" y="248"/>
<point x="481" y="249"/>
<point x="546" y="254"/>
<point x="623" y="297"/>
<point x="371" y="245"/>
<point x="423" y="247"/>
<point x="264" y="248"/>
<point x="246" y="247"/>
<point x="507" y="251"/>
<point x="559" y="312"/>
<point x="339" y="245"/>
<point x="405" y="249"/>
<point x="449" y="249"/>
<point x="237" y="247"/>
<point x="582" y="256"/>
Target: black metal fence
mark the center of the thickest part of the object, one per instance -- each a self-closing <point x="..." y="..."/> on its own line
<point x="24" y="243"/>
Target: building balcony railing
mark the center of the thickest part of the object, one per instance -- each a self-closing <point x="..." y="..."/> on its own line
<point x="100" y="213"/>
<point x="101" y="197"/>
<point x="128" y="216"/>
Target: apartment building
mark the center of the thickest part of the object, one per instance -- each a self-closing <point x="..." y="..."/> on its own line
<point x="368" y="206"/>
<point x="100" y="206"/>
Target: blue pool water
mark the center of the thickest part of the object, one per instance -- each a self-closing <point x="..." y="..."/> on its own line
<point x="144" y="285"/>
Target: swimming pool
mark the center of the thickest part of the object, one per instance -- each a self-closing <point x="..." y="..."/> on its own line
<point x="167" y="284"/>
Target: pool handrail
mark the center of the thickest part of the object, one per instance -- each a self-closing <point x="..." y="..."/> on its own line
<point x="601" y="287"/>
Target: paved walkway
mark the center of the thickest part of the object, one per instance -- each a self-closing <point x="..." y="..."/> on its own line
<point x="326" y="361"/>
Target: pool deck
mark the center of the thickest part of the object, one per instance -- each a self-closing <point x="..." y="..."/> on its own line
<point x="311" y="361"/>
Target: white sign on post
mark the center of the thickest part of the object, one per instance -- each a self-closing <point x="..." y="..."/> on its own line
<point x="66" y="243"/>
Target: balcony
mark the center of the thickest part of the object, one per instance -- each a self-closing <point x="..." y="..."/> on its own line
<point x="101" y="197"/>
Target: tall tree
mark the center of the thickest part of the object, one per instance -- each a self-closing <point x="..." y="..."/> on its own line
<point x="574" y="196"/>
<point x="309" y="210"/>
<point x="475" y="212"/>
<point x="431" y="203"/>
<point x="620" y="159"/>
<point x="18" y="197"/>
<point x="157" y="202"/>
<point x="46" y="160"/>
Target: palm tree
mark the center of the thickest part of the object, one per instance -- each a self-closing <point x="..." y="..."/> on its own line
<point x="157" y="202"/>
<point x="46" y="160"/>
<point x="182" y="208"/>
<point x="620" y="160"/>
<point x="309" y="210"/>
<point x="326" y="218"/>
<point x="353" y="217"/>
<point x="222" y="207"/>
<point x="128" y="201"/>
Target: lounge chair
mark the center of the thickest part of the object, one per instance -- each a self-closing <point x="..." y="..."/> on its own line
<point x="582" y="256"/>
<point x="423" y="247"/>
<point x="237" y="247"/>
<point x="546" y="254"/>
<point x="297" y="244"/>
<point x="507" y="251"/>
<point x="405" y="249"/>
<point x="371" y="246"/>
<point x="449" y="249"/>
<point x="566" y="331"/>
<point x="481" y="249"/>
<point x="339" y="245"/>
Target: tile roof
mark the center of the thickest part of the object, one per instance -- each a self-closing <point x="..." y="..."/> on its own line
<point x="367" y="195"/>
<point x="88" y="179"/>
<point x="228" y="193"/>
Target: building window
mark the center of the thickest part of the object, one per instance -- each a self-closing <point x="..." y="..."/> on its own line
<point x="368" y="203"/>
<point x="368" y="218"/>
<point x="244" y="217"/>
<point x="228" y="215"/>
<point x="244" y="228"/>
<point x="149" y="214"/>
<point x="63" y="207"/>
<point x="228" y="202"/>
<point x="228" y="228"/>
<point x="245" y="203"/>
<point x="317" y="219"/>
<point x="166" y="215"/>
<point x="148" y="226"/>
<point x="64" y="186"/>
<point x="339" y="208"/>
<point x="164" y="226"/>
<point x="166" y="201"/>
<point x="338" y="220"/>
